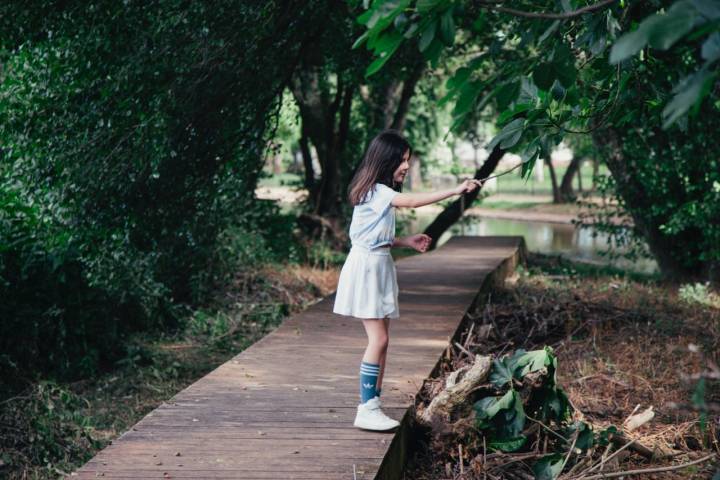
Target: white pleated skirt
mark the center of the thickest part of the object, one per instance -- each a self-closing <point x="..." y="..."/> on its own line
<point x="368" y="285"/>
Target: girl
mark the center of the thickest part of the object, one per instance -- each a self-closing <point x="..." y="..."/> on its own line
<point x="368" y="287"/>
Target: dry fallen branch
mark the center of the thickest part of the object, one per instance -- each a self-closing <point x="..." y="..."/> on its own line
<point x="456" y="394"/>
<point x="646" y="470"/>
<point x="636" y="421"/>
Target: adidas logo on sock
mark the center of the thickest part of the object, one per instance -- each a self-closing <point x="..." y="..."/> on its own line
<point x="368" y="385"/>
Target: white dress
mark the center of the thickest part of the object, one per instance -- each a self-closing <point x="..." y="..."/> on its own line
<point x="368" y="285"/>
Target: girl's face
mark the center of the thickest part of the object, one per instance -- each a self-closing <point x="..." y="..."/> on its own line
<point x="401" y="171"/>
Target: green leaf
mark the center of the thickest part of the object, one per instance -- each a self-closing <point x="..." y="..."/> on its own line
<point x="585" y="435"/>
<point x="659" y="30"/>
<point x="507" y="93"/>
<point x="512" y="133"/>
<point x="385" y="46"/>
<point x="529" y="165"/>
<point x="383" y="14"/>
<point x="688" y="94"/>
<point x="604" y="436"/>
<point x="508" y="445"/>
<point x="468" y="94"/>
<point x="364" y="19"/>
<point x="460" y="76"/>
<point x="585" y="439"/>
<point x="544" y="76"/>
<point x="432" y="54"/>
<point x="427" y="36"/>
<point x="488" y="407"/>
<point x="528" y="362"/>
<point x="400" y="21"/>
<point x="529" y="156"/>
<point x="510" y="113"/>
<point x="515" y="418"/>
<point x="503" y="417"/>
<point x="528" y="92"/>
<point x="550" y="30"/>
<point x="709" y="9"/>
<point x="667" y="29"/>
<point x="628" y="45"/>
<point x="361" y="39"/>
<point x="479" y="23"/>
<point x="412" y="29"/>
<point x="387" y="41"/>
<point x="562" y="54"/>
<point x="424" y="6"/>
<point x="548" y="468"/>
<point x="566" y="74"/>
<point x="711" y="48"/>
<point x="557" y="91"/>
<point x="501" y="374"/>
<point x="447" y="27"/>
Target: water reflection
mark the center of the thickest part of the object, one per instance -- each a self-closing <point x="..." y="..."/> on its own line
<point x="553" y="238"/>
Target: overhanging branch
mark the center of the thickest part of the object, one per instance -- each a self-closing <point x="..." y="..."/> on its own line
<point x="490" y="5"/>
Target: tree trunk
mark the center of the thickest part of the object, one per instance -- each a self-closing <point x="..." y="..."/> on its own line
<point x="307" y="163"/>
<point x="661" y="246"/>
<point x="408" y="91"/>
<point x="452" y="213"/>
<point x="579" y="177"/>
<point x="553" y="179"/>
<point x="596" y="170"/>
<point x="566" y="188"/>
<point x="328" y="199"/>
<point x="326" y="132"/>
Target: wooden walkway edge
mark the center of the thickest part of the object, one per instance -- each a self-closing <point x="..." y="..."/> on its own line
<point x="284" y="407"/>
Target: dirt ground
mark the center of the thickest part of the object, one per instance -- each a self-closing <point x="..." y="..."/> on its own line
<point x="622" y="346"/>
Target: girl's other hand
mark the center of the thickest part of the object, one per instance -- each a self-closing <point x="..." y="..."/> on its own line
<point x="419" y="242"/>
<point x="468" y="186"/>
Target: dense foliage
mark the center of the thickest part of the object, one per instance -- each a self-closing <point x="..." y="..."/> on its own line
<point x="132" y="138"/>
<point x="546" y="74"/>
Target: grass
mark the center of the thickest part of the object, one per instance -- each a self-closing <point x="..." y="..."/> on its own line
<point x="281" y="180"/>
<point x="507" y="204"/>
<point x="511" y="183"/>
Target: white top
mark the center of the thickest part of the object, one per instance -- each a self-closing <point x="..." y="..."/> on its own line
<point x="373" y="220"/>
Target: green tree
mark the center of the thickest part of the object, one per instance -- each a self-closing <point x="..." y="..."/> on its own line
<point x="548" y="74"/>
<point x="132" y="137"/>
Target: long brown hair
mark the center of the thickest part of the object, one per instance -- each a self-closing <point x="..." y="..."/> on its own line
<point x="382" y="158"/>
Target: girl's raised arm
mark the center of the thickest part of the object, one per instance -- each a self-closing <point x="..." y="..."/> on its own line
<point x="414" y="200"/>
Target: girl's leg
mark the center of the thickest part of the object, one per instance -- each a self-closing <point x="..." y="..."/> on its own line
<point x="376" y="330"/>
<point x="386" y="321"/>
<point x="377" y="333"/>
<point x="369" y="415"/>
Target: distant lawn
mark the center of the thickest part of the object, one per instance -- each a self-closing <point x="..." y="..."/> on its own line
<point x="511" y="183"/>
<point x="506" y="204"/>
<point x="281" y="180"/>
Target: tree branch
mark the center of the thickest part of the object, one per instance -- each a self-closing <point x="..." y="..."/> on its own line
<point x="547" y="15"/>
<point x="454" y="211"/>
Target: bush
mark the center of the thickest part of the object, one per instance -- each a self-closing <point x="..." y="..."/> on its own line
<point x="132" y="136"/>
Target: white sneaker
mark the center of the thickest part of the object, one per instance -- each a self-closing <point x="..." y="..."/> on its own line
<point x="370" y="417"/>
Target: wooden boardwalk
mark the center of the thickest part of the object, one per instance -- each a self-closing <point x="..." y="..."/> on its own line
<point x="283" y="408"/>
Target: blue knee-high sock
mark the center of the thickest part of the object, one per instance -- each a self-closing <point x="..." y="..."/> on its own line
<point x="368" y="380"/>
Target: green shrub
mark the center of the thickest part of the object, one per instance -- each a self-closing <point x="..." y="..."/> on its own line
<point x="132" y="136"/>
<point x="44" y="432"/>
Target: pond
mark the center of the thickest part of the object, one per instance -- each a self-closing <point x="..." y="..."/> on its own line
<point x="563" y="239"/>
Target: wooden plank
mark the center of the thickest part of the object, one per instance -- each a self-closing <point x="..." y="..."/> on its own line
<point x="284" y="407"/>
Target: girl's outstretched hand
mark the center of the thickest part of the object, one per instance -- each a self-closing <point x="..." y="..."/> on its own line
<point x="419" y="242"/>
<point x="468" y="186"/>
